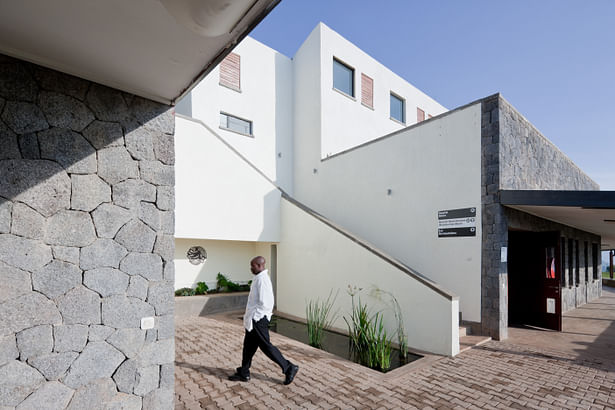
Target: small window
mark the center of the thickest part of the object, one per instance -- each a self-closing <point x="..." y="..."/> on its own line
<point x="343" y="78"/>
<point x="398" y="108"/>
<point x="367" y="91"/>
<point x="577" y="265"/>
<point x="595" y="261"/>
<point x="236" y="124"/>
<point x="420" y="115"/>
<point x="570" y="262"/>
<point x="586" y="260"/>
<point x="563" y="261"/>
<point x="230" y="72"/>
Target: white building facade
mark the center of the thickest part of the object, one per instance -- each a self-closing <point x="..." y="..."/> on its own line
<point x="339" y="172"/>
<point x="269" y="123"/>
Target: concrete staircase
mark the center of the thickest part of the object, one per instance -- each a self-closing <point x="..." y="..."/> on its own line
<point x="467" y="340"/>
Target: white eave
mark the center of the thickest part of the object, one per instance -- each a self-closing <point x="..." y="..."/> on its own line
<point x="139" y="46"/>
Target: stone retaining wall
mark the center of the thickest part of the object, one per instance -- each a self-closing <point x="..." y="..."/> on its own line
<point x="86" y="243"/>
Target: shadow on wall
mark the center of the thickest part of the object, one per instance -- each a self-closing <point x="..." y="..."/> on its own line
<point x="86" y="237"/>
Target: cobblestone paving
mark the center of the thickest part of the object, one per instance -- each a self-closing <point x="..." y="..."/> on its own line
<point x="494" y="375"/>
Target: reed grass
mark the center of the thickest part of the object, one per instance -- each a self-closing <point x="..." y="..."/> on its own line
<point x="319" y="315"/>
<point x="393" y="304"/>
<point x="369" y="342"/>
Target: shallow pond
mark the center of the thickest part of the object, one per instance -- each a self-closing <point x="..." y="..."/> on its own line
<point x="333" y="342"/>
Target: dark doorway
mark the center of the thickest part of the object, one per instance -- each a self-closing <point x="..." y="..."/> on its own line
<point x="534" y="275"/>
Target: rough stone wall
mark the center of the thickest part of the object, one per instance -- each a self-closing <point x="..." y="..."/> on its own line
<point x="516" y="156"/>
<point x="494" y="273"/>
<point x="86" y="244"/>
<point x="529" y="161"/>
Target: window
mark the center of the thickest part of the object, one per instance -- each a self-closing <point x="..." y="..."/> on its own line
<point x="586" y="260"/>
<point x="595" y="261"/>
<point x="367" y="91"/>
<point x="570" y="262"/>
<point x="398" y="108"/>
<point x="343" y="78"/>
<point x="229" y="72"/>
<point x="563" y="261"/>
<point x="232" y="123"/>
<point x="577" y="265"/>
<point x="420" y="115"/>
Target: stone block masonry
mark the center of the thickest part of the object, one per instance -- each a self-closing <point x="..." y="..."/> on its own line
<point x="86" y="185"/>
<point x="516" y="156"/>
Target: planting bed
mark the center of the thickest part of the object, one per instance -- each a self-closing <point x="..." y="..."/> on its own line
<point x="333" y="342"/>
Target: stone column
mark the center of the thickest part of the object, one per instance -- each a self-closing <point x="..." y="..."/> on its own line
<point x="86" y="243"/>
<point x="494" y="276"/>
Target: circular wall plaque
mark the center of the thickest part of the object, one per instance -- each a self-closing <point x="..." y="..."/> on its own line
<point x="196" y="255"/>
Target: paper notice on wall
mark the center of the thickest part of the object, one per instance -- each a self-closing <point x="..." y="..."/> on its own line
<point x="550" y="305"/>
<point x="504" y="254"/>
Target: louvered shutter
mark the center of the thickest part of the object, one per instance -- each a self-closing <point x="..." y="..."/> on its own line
<point x="367" y="91"/>
<point x="420" y="115"/>
<point x="230" y="71"/>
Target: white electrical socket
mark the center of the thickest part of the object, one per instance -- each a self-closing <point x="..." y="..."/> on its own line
<point x="147" y="323"/>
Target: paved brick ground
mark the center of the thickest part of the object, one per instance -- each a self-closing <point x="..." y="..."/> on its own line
<point x="495" y="375"/>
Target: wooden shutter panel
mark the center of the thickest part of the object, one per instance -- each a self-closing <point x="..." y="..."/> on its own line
<point x="367" y="91"/>
<point x="420" y="115"/>
<point x="230" y="71"/>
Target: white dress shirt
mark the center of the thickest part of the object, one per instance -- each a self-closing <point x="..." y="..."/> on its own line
<point x="260" y="300"/>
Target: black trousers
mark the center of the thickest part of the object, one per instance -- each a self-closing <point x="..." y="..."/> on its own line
<point x="258" y="337"/>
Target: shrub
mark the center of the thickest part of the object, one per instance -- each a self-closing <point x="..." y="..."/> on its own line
<point x="224" y="284"/>
<point x="184" y="292"/>
<point x="319" y="317"/>
<point x="201" y="288"/>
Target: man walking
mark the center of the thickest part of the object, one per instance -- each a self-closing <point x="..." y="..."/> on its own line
<point x="256" y="322"/>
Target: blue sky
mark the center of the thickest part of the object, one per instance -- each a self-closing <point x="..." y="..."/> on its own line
<point x="554" y="60"/>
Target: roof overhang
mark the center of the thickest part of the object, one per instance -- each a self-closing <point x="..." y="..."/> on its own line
<point x="590" y="211"/>
<point x="158" y="49"/>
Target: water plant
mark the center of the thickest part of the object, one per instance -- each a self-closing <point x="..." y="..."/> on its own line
<point x="402" y="337"/>
<point x="319" y="315"/>
<point x="369" y="342"/>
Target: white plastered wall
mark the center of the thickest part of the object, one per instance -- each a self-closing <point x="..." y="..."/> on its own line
<point x="266" y="99"/>
<point x="314" y="259"/>
<point x="433" y="166"/>
<point x="346" y="122"/>
<point x="219" y="195"/>
<point x="232" y="258"/>
<point x="306" y="108"/>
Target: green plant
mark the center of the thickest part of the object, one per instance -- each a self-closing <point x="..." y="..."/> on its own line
<point x="224" y="284"/>
<point x="201" y="288"/>
<point x="184" y="292"/>
<point x="402" y="337"/>
<point x="368" y="337"/>
<point x="319" y="317"/>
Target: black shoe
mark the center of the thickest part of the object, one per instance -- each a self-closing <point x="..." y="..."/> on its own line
<point x="239" y="378"/>
<point x="290" y="373"/>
